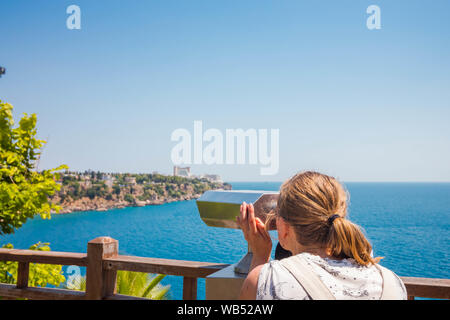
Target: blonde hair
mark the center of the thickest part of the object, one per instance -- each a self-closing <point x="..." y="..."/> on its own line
<point x="315" y="205"/>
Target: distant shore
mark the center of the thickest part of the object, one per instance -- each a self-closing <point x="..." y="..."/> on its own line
<point x="100" y="204"/>
<point x="97" y="191"/>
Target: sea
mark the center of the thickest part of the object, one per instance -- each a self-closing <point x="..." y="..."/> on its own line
<point x="407" y="223"/>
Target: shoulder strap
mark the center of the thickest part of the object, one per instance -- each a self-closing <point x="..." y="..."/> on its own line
<point x="389" y="284"/>
<point x="312" y="284"/>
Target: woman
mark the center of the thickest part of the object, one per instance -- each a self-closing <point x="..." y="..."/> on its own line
<point x="331" y="258"/>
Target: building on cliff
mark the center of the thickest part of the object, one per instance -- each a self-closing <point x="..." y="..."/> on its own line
<point x="182" y="172"/>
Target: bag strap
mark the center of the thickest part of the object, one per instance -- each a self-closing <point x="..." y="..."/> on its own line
<point x="312" y="284"/>
<point x="389" y="284"/>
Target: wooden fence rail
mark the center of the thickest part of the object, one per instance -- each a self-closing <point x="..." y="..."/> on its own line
<point x="102" y="262"/>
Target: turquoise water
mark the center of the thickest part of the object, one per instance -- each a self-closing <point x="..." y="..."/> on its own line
<point x="407" y="223"/>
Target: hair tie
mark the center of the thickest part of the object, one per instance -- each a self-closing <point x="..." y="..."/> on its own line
<point x="332" y="218"/>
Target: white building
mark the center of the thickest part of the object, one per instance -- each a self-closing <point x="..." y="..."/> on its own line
<point x="108" y="180"/>
<point x="211" y="177"/>
<point x="182" y="172"/>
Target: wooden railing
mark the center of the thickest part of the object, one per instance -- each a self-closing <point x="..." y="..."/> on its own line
<point x="102" y="262"/>
<point x="427" y="288"/>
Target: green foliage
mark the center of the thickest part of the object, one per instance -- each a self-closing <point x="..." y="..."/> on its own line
<point x="40" y="275"/>
<point x="143" y="285"/>
<point x="141" y="178"/>
<point x="136" y="284"/>
<point x="24" y="192"/>
<point x="129" y="198"/>
<point x="96" y="191"/>
<point x="148" y="187"/>
<point x="116" y="189"/>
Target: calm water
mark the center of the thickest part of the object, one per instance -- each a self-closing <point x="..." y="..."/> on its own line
<point x="407" y="223"/>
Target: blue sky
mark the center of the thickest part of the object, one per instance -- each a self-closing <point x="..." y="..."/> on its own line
<point x="360" y="104"/>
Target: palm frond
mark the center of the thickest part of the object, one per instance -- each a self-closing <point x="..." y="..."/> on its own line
<point x="130" y="283"/>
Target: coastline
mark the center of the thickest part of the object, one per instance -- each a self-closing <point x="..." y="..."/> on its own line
<point x="97" y="191"/>
<point x="101" y="204"/>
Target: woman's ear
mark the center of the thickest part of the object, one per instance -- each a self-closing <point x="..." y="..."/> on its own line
<point x="283" y="230"/>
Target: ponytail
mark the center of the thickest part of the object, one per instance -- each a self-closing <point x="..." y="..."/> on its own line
<point x="315" y="205"/>
<point x="346" y="240"/>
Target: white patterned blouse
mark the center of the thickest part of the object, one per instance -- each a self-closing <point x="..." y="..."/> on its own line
<point x="345" y="278"/>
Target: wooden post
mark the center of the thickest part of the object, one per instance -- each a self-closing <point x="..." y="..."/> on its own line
<point x="189" y="288"/>
<point x="99" y="282"/>
<point x="109" y="282"/>
<point x="23" y="274"/>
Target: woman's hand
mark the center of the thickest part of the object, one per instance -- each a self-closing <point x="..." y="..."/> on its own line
<point x="255" y="233"/>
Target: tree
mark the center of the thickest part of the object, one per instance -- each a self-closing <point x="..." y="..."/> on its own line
<point x="116" y="189"/>
<point x="91" y="193"/>
<point x="24" y="192"/>
<point x="129" y="198"/>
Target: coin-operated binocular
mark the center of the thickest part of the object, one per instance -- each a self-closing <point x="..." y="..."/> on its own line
<point x="219" y="208"/>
